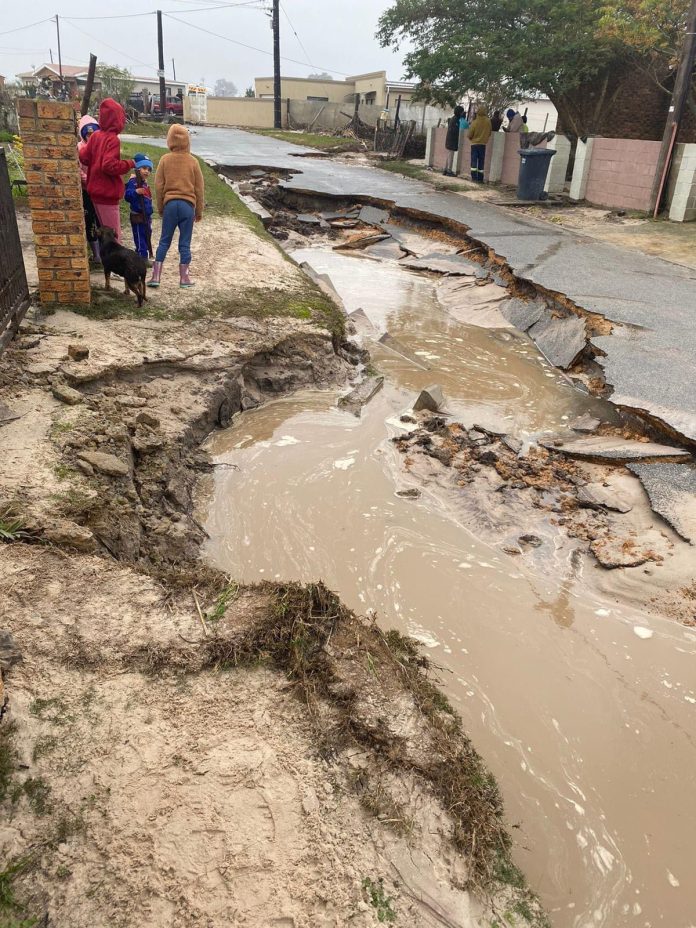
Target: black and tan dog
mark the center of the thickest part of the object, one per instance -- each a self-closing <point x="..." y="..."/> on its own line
<point x="122" y="261"/>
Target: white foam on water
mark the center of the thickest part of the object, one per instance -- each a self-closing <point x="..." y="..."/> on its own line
<point x="286" y="440"/>
<point x="642" y="632"/>
<point x="343" y="463"/>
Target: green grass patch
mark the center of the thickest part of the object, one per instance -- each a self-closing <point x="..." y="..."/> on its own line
<point x="378" y="899"/>
<point x="407" y="169"/>
<point x="148" y="128"/>
<point x="333" y="143"/>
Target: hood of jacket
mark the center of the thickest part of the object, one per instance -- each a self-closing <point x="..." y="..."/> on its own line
<point x="481" y="111"/>
<point x="178" y="138"/>
<point x="112" y="116"/>
<point x="86" y="121"/>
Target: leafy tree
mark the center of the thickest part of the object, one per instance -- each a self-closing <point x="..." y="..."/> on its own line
<point x="320" y="77"/>
<point x="654" y="31"/>
<point x="507" y="49"/>
<point x="224" y="88"/>
<point x="116" y="82"/>
<point x="249" y="92"/>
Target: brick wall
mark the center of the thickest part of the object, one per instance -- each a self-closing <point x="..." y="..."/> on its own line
<point x="49" y="133"/>
<point x="621" y="173"/>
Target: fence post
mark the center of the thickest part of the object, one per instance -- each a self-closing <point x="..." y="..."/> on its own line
<point x="581" y="169"/>
<point x="682" y="185"/>
<point x="49" y="134"/>
<point x="495" y="169"/>
<point x="556" y="178"/>
<point x="429" y="147"/>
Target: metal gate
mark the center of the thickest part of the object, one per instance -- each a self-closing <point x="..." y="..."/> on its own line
<point x="14" y="290"/>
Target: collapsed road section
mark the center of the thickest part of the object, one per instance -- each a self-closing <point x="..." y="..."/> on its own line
<point x="502" y="528"/>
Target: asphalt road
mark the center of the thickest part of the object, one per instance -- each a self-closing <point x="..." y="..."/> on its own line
<point x="650" y="357"/>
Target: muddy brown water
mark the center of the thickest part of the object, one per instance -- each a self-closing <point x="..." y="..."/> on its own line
<point x="583" y="708"/>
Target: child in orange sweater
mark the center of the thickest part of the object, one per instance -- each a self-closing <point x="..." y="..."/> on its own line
<point x="179" y="190"/>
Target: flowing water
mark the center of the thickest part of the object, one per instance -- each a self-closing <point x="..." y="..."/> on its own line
<point x="583" y="709"/>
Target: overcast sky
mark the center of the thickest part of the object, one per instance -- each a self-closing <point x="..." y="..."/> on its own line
<point x="334" y="35"/>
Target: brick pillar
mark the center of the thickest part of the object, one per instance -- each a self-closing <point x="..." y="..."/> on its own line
<point x="49" y="134"/>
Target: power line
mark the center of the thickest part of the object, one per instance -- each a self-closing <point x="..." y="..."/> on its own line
<point x="204" y="9"/>
<point x="296" y="35"/>
<point x="151" y="67"/>
<point x="253" y="48"/>
<point x="49" y="19"/>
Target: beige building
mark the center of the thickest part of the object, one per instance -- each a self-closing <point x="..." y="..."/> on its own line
<point x="372" y="88"/>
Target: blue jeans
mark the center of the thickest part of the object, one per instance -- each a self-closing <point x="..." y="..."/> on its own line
<point x="178" y="214"/>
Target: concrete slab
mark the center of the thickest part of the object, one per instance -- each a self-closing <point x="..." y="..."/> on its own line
<point x="523" y="314"/>
<point x="442" y="263"/>
<point x="560" y="340"/>
<point x="373" y="216"/>
<point x="616" y="450"/>
<point x="671" y="489"/>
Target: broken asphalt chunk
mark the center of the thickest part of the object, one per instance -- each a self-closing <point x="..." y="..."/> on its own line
<point x="372" y="216"/>
<point x="361" y="395"/>
<point x="671" y="489"/>
<point x="615" y="450"/>
<point x="432" y="399"/>
<point x="442" y="263"/>
<point x="522" y="314"/>
<point x="560" y="340"/>
<point x="66" y="394"/>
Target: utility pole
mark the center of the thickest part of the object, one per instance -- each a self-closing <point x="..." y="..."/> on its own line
<point x="682" y="88"/>
<point x="60" y="59"/>
<point x="277" y="111"/>
<point x="160" y="72"/>
<point x="174" y="70"/>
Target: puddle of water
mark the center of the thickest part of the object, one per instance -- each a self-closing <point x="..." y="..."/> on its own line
<point x="584" y="717"/>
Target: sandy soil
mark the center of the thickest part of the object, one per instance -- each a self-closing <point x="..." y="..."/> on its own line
<point x="191" y="796"/>
<point x="156" y="764"/>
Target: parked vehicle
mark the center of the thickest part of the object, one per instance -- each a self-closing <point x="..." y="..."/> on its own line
<point x="175" y="106"/>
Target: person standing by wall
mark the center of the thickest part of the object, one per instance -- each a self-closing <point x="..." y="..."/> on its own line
<point x="452" y="139"/>
<point x="105" y="167"/>
<point x="479" y="133"/>
<point x="179" y="188"/>
<point x="496" y="121"/>
<point x="87" y="126"/>
<point x="514" y="121"/>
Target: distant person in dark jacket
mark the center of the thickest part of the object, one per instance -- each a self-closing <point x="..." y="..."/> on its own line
<point x="496" y="121"/>
<point x="454" y="127"/>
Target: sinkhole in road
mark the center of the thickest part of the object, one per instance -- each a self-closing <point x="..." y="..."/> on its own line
<point x="581" y="702"/>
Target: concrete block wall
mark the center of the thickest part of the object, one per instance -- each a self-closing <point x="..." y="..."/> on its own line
<point x="621" y="173"/>
<point x="510" y="170"/>
<point x="49" y="135"/>
<point x="682" y="188"/>
<point x="438" y="152"/>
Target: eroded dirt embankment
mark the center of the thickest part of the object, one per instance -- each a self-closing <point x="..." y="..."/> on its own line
<point x="176" y="749"/>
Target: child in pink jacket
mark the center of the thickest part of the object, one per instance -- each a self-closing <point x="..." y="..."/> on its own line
<point x="87" y="126"/>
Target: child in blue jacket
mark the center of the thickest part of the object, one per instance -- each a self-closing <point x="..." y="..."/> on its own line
<point x="139" y="197"/>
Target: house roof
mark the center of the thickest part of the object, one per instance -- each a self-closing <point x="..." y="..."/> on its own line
<point x="69" y="70"/>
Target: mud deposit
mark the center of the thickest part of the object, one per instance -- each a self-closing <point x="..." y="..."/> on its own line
<point x="581" y="701"/>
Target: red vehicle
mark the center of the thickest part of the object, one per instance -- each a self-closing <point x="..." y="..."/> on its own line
<point x="175" y="106"/>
